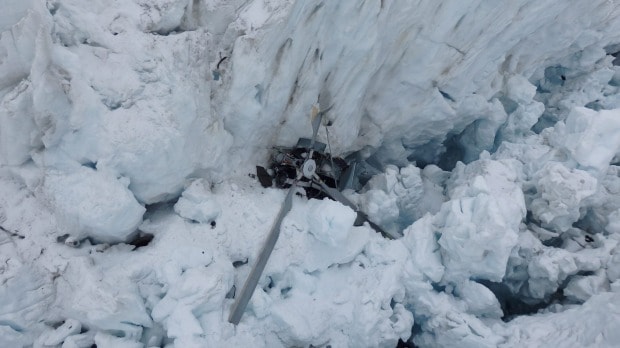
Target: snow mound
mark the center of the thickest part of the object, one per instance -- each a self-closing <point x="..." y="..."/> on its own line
<point x="98" y="205"/>
<point x="197" y="203"/>
<point x="330" y="221"/>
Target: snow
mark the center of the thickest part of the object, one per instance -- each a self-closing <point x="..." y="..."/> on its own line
<point x="329" y="221"/>
<point x="493" y="126"/>
<point x="197" y="203"/>
<point x="98" y="205"/>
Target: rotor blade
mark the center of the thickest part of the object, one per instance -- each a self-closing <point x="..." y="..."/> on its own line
<point x="250" y="284"/>
<point x="346" y="179"/>
<point x="263" y="177"/>
<point x="316" y="123"/>
<point x="338" y="196"/>
<point x="384" y="233"/>
<point x="325" y="99"/>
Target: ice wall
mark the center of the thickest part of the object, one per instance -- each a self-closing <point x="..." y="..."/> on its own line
<point x="403" y="74"/>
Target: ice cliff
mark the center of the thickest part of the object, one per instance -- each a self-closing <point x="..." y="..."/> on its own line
<point x="494" y="127"/>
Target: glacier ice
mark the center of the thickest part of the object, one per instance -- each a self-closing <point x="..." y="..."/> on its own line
<point x="591" y="138"/>
<point x="493" y="127"/>
<point x="559" y="195"/>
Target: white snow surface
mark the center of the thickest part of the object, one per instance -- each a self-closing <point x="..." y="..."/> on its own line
<point x="494" y="128"/>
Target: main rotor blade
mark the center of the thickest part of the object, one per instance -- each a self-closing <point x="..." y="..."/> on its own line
<point x="346" y="179"/>
<point x="338" y="196"/>
<point x="325" y="99"/>
<point x="316" y="123"/>
<point x="250" y="284"/>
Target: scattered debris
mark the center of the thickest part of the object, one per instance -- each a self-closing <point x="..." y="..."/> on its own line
<point x="231" y="292"/>
<point x="239" y="263"/>
<point x="220" y="61"/>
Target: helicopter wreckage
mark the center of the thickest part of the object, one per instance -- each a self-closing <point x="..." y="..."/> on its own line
<point x="310" y="167"/>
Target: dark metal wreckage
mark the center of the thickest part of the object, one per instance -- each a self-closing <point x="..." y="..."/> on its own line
<point x="307" y="166"/>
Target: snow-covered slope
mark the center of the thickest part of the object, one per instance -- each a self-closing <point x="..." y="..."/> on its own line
<point x="495" y="126"/>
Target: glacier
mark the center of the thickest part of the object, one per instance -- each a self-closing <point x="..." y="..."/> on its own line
<point x="493" y="129"/>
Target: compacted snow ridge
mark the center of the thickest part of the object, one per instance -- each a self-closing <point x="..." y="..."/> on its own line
<point x="128" y="130"/>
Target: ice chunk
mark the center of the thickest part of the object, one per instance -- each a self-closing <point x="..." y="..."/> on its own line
<point x="86" y="339"/>
<point x="94" y="203"/>
<point x="480" y="301"/>
<point x="330" y="221"/>
<point x="381" y="207"/>
<point x="593" y="137"/>
<point x="108" y="301"/>
<point x="581" y="288"/>
<point x="197" y="203"/>
<point x="421" y="239"/>
<point x="162" y="16"/>
<point x="197" y="292"/>
<point x="498" y="178"/>
<point x="476" y="238"/>
<point x="613" y="266"/>
<point x="447" y="323"/>
<point x="18" y="32"/>
<point x="519" y="89"/>
<point x="480" y="134"/>
<point x="549" y="269"/>
<point x="516" y="270"/>
<point x="613" y="225"/>
<point x="19" y="134"/>
<point x="478" y="227"/>
<point x="560" y="194"/>
<point x="604" y="206"/>
<point x="397" y="197"/>
<point x="385" y="181"/>
<point x="321" y="254"/>
<point x="103" y="340"/>
<point x="594" y="324"/>
<point x="519" y="95"/>
<point x="68" y="328"/>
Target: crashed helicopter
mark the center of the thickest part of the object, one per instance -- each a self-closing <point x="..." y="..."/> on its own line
<point x="335" y="172"/>
<point x="307" y="166"/>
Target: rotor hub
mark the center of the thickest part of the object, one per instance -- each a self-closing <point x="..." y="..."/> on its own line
<point x="309" y="169"/>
